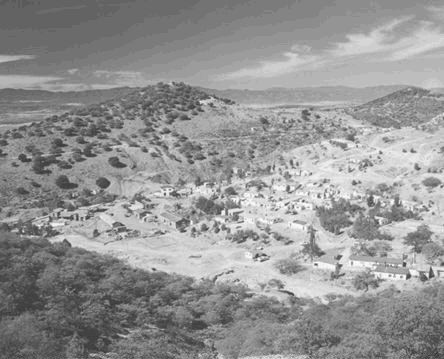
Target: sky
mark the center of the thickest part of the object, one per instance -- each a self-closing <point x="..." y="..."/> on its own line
<point x="64" y="45"/>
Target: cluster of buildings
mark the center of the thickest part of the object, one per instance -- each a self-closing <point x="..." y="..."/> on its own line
<point x="385" y="268"/>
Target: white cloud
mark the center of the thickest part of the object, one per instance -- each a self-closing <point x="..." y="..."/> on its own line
<point x="377" y="40"/>
<point x="292" y="62"/>
<point x="72" y="71"/>
<point x="436" y="12"/>
<point x="60" y="9"/>
<point x="122" y="78"/>
<point x="12" y="58"/>
<point x="427" y="37"/>
<point x="25" y="81"/>
<point x="62" y="86"/>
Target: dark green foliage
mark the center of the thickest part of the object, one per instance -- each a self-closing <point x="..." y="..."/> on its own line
<point x="63" y="182"/>
<point x="288" y="266"/>
<point x="208" y="206"/>
<point x="59" y="301"/>
<point x="337" y="217"/>
<point x="115" y="162"/>
<point x="367" y="228"/>
<point x="103" y="182"/>
<point x="431" y="182"/>
<point x="419" y="238"/>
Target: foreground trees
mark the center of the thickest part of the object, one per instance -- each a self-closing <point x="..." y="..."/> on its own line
<point x="62" y="302"/>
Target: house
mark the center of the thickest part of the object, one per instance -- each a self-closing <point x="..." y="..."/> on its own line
<point x="119" y="227"/>
<point x="373" y="262"/>
<point x="56" y="213"/>
<point x="299" y="225"/>
<point x="147" y="217"/>
<point x="173" y="220"/>
<point x="257" y="256"/>
<point x="136" y="206"/>
<point x="328" y="261"/>
<point x="231" y="212"/>
<point x="167" y="191"/>
<point x="391" y="273"/>
<point x="107" y="219"/>
<point x="81" y="215"/>
<point x="381" y="220"/>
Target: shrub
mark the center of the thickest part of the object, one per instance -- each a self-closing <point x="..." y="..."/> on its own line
<point x="364" y="281"/>
<point x="22" y="157"/>
<point x="431" y="182"/>
<point x="102" y="182"/>
<point x="64" y="183"/>
<point x="115" y="162"/>
<point x="22" y="191"/>
<point x="288" y="266"/>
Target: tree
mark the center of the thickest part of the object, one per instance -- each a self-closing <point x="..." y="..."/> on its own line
<point x="311" y="248"/>
<point x="431" y="182"/>
<point x="22" y="158"/>
<point x="288" y="266"/>
<point x="103" y="182"/>
<point x="38" y="164"/>
<point x="63" y="182"/>
<point x="432" y="251"/>
<point x="365" y="228"/>
<point x="115" y="162"/>
<point x="370" y="200"/>
<point x="76" y="348"/>
<point x="419" y="238"/>
<point x="364" y="281"/>
<point x="57" y="142"/>
<point x="230" y="191"/>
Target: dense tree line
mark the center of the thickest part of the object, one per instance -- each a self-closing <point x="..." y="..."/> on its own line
<point x="62" y="302"/>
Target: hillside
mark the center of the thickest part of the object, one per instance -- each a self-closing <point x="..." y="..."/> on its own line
<point x="307" y="95"/>
<point x="18" y="106"/>
<point x="407" y="107"/>
<point x="168" y="132"/>
<point x="63" y="302"/>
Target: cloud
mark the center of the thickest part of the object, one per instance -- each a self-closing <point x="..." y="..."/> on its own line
<point x="60" y="9"/>
<point x="426" y="38"/>
<point x="65" y="87"/>
<point x="377" y="40"/>
<point x="25" y="81"/>
<point x="122" y="78"/>
<point x="12" y="58"/>
<point x="436" y="12"/>
<point x="72" y="71"/>
<point x="389" y="42"/>
<point x="292" y="62"/>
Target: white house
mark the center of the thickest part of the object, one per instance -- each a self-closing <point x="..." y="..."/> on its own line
<point x="391" y="273"/>
<point x="299" y="225"/>
<point x="373" y="262"/>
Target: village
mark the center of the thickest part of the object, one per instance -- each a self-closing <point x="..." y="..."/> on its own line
<point x="255" y="218"/>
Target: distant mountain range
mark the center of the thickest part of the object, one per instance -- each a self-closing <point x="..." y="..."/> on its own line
<point x="329" y="95"/>
<point x="18" y="105"/>
<point x="407" y="107"/>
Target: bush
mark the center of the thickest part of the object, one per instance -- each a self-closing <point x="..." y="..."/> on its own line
<point x="431" y="182"/>
<point x="22" y="191"/>
<point x="102" y="182"/>
<point x="364" y="281"/>
<point x="115" y="162"/>
<point x="64" y="183"/>
<point x="288" y="266"/>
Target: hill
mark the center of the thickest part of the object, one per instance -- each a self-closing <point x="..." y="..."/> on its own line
<point x="328" y="95"/>
<point x="18" y="106"/>
<point x="407" y="107"/>
<point x="168" y="132"/>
